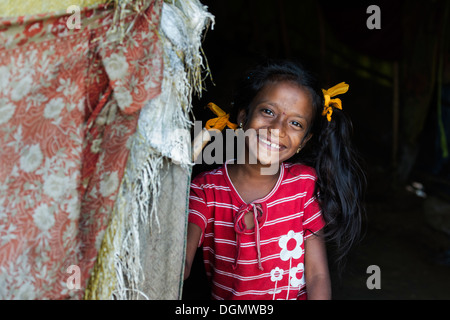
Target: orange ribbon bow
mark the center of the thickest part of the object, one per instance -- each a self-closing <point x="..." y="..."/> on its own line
<point x="221" y="121"/>
<point x="338" y="89"/>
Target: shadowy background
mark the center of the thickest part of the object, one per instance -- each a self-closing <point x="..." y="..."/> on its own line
<point x="399" y="102"/>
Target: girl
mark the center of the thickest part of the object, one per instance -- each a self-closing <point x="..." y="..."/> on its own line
<point x="263" y="236"/>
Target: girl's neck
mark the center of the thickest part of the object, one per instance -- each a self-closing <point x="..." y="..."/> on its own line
<point x="249" y="183"/>
<point x="256" y="172"/>
<point x="253" y="173"/>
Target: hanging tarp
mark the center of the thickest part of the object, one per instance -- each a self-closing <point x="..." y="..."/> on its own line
<point x="70" y="101"/>
<point x="142" y="255"/>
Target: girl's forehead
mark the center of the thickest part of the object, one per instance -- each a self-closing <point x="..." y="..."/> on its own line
<point x="287" y="92"/>
<point x="284" y="84"/>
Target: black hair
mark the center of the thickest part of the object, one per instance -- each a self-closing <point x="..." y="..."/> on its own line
<point x="340" y="181"/>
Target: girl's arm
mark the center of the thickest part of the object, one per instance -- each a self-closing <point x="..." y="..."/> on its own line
<point x="317" y="277"/>
<point x="194" y="233"/>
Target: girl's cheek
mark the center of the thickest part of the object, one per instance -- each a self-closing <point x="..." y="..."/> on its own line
<point x="260" y="122"/>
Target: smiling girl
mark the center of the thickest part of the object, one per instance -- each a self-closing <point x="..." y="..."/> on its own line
<point x="263" y="235"/>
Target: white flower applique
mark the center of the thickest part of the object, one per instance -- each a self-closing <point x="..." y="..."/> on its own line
<point x="291" y="248"/>
<point x="275" y="276"/>
<point x="296" y="282"/>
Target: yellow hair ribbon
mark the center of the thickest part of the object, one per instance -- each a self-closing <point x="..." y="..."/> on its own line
<point x="338" y="89"/>
<point x="221" y="121"/>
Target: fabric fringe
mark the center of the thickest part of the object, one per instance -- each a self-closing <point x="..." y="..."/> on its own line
<point x="122" y="9"/>
<point x="163" y="133"/>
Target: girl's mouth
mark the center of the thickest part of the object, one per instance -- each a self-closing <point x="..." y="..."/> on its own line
<point x="269" y="144"/>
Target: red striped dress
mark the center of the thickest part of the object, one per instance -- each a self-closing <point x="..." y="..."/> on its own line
<point x="266" y="262"/>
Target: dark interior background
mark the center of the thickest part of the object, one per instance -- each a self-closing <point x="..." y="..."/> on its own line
<point x="399" y="102"/>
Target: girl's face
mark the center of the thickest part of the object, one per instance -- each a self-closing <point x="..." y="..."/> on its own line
<point x="280" y="115"/>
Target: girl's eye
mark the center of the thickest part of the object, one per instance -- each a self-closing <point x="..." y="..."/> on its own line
<point x="267" y="111"/>
<point x="297" y="124"/>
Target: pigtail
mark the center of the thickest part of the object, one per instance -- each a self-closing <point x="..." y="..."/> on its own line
<point x="340" y="185"/>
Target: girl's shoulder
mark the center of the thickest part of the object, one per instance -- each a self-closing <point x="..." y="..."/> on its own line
<point x="299" y="169"/>
<point x="211" y="175"/>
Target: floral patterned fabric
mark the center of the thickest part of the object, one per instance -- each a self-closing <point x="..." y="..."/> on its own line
<point x="142" y="252"/>
<point x="69" y="102"/>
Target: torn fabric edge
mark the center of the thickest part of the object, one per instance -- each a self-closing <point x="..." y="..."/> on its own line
<point x="163" y="132"/>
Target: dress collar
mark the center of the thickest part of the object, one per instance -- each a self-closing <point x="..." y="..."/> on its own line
<point x="261" y="200"/>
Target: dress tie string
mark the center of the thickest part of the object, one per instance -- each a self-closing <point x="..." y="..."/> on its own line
<point x="240" y="228"/>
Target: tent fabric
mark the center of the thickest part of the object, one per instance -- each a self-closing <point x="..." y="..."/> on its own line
<point x="95" y="158"/>
<point x="70" y="101"/>
<point x="164" y="280"/>
<point x="142" y="254"/>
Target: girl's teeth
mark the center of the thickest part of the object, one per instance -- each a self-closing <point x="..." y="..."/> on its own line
<point x="270" y="144"/>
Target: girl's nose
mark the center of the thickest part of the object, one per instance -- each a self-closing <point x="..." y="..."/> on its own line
<point x="277" y="129"/>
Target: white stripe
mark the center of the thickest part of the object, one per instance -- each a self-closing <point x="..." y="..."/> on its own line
<point x="249" y="244"/>
<point x="213" y="186"/>
<point x="236" y="293"/>
<point x="224" y="224"/>
<point x="287" y="199"/>
<point x="299" y="177"/>
<point x="197" y="199"/>
<point x="222" y="205"/>
<point x="216" y="173"/>
<point x="198" y="214"/>
<point x="194" y="186"/>
<point x="246" y="262"/>
<point x="216" y="297"/>
<point x="246" y="278"/>
<point x="309" y="201"/>
<point x="313" y="217"/>
<point x="255" y="292"/>
<point x="210" y="186"/>
<point x="283" y="219"/>
<point x="288" y="165"/>
<point x="225" y="241"/>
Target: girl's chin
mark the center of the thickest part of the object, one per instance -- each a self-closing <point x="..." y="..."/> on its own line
<point x="267" y="162"/>
<point x="269" y="166"/>
<point x="264" y="156"/>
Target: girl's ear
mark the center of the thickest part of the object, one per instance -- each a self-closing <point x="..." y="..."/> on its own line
<point x="241" y="118"/>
